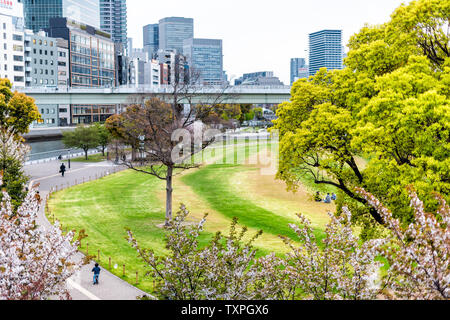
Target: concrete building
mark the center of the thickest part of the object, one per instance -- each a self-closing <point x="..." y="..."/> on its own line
<point x="129" y="48"/>
<point x="63" y="80"/>
<point x="38" y="12"/>
<point x="113" y="19"/>
<point x="12" y="54"/>
<point x="91" y="64"/>
<point x="63" y="62"/>
<point x="325" y="50"/>
<point x="151" y="39"/>
<point x="152" y="75"/>
<point x="173" y="31"/>
<point x="205" y="58"/>
<point x="177" y="66"/>
<point x="262" y="78"/>
<point x="42" y="70"/>
<point x="91" y="55"/>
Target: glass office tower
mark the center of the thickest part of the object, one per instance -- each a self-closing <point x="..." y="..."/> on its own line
<point x="173" y="31"/>
<point x="299" y="69"/>
<point x="205" y="58"/>
<point x="151" y="39"/>
<point x="113" y="19"/>
<point x="38" y="12"/>
<point x="325" y="50"/>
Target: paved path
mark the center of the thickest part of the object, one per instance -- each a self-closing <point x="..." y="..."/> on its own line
<point x="80" y="285"/>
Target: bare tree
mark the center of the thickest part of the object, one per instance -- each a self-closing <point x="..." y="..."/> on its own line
<point x="168" y="131"/>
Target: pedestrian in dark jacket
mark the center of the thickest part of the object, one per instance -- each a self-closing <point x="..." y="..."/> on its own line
<point x="96" y="270"/>
<point x="62" y="169"/>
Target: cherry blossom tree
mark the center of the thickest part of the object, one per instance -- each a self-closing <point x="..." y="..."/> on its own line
<point x="342" y="269"/>
<point x="224" y="269"/>
<point x="34" y="263"/>
<point x="419" y="254"/>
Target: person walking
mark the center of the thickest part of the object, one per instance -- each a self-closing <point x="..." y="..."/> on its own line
<point x="96" y="270"/>
<point x="62" y="169"/>
<point x="37" y="196"/>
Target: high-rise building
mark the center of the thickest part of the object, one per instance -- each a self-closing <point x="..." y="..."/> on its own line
<point x="151" y="39"/>
<point x="173" y="31"/>
<point x="12" y="57"/>
<point x="129" y="45"/>
<point x="205" y="58"/>
<point x="113" y="19"/>
<point x="299" y="69"/>
<point x="37" y="13"/>
<point x="325" y="50"/>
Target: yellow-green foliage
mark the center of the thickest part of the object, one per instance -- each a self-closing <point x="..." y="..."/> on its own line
<point x="390" y="104"/>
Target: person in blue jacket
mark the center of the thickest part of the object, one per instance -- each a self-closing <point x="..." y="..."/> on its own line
<point x="96" y="271"/>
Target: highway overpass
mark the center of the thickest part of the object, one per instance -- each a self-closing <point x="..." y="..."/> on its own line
<point x="127" y="95"/>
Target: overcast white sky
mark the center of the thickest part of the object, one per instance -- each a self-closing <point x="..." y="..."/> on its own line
<point x="261" y="35"/>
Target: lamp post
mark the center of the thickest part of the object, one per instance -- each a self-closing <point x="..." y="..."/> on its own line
<point x="69" y="154"/>
<point x="142" y="146"/>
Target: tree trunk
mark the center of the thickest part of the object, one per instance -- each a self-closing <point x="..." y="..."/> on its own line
<point x="133" y="154"/>
<point x="86" y="153"/>
<point x="169" y="190"/>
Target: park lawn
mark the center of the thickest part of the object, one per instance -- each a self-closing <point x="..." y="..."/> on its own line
<point x="214" y="184"/>
<point x="104" y="208"/>
<point x="98" y="157"/>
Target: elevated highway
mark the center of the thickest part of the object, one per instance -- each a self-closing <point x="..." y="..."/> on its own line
<point x="127" y="95"/>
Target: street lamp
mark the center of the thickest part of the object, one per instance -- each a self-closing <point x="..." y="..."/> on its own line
<point x="69" y="154"/>
<point x="141" y="147"/>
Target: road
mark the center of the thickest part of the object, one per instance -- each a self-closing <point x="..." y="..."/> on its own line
<point x="80" y="285"/>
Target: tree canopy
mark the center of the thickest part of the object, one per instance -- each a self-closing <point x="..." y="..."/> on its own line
<point x="17" y="110"/>
<point x="83" y="137"/>
<point x="383" y="122"/>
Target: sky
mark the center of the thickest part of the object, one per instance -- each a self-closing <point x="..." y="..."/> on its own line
<point x="261" y="35"/>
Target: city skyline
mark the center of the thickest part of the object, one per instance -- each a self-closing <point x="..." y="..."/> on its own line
<point x="275" y="25"/>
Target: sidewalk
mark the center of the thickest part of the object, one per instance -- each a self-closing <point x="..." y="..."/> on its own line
<point x="80" y="285"/>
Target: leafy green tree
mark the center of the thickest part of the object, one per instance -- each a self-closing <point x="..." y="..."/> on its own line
<point x="17" y="110"/>
<point x="83" y="137"/>
<point x="12" y="156"/>
<point x="104" y="136"/>
<point x="382" y="123"/>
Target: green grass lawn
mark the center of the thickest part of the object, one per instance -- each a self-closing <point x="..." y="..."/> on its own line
<point x="98" y="157"/>
<point x="213" y="184"/>
<point x="104" y="208"/>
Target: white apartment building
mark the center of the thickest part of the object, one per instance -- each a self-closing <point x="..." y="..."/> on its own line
<point x="12" y="58"/>
<point x="152" y="73"/>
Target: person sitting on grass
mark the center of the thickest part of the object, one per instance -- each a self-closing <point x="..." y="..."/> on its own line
<point x="333" y="197"/>
<point x="317" y="197"/>
<point x="327" y="199"/>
